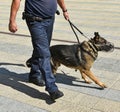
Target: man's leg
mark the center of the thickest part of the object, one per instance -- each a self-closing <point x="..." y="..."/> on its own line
<point x="49" y="35"/>
<point x="35" y="75"/>
<point x="41" y="57"/>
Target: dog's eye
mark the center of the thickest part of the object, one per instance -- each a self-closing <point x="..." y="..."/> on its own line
<point x="104" y="41"/>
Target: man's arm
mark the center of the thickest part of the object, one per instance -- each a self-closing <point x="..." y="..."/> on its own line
<point x="64" y="9"/>
<point x="12" y="20"/>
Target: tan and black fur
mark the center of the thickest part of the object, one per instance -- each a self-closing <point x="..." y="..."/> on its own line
<point x="79" y="56"/>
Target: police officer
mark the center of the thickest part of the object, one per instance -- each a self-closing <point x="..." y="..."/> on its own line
<point x="39" y="16"/>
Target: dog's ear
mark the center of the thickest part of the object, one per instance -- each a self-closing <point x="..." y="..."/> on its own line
<point x="96" y="37"/>
<point x="96" y="34"/>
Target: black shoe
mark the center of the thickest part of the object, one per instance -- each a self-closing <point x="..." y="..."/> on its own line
<point x="56" y="94"/>
<point x="37" y="81"/>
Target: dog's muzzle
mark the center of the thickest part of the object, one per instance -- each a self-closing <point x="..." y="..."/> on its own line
<point x="107" y="47"/>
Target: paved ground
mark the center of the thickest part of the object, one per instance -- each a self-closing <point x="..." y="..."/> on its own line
<point x="17" y="95"/>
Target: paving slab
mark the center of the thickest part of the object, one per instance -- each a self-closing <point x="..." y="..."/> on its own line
<point x="18" y="95"/>
<point x="9" y="105"/>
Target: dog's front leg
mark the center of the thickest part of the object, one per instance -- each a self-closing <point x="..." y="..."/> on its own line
<point x="84" y="77"/>
<point x="91" y="76"/>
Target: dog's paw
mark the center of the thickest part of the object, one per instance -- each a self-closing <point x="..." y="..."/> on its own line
<point x="103" y="85"/>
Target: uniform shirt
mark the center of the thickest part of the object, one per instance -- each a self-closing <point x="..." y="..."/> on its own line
<point x="41" y="8"/>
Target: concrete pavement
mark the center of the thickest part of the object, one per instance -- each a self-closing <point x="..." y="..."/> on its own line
<point x="17" y="95"/>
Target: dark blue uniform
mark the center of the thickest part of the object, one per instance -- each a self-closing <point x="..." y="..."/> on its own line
<point x="42" y="8"/>
<point x="41" y="33"/>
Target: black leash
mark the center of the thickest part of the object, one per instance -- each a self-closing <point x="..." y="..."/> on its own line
<point x="73" y="26"/>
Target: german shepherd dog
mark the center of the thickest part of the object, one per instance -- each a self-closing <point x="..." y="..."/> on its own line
<point x="79" y="56"/>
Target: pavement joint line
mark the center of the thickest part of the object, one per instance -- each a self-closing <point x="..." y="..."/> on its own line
<point x="53" y="39"/>
<point x="22" y="35"/>
<point x="89" y="17"/>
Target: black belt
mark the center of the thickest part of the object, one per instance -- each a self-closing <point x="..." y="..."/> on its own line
<point x="33" y="18"/>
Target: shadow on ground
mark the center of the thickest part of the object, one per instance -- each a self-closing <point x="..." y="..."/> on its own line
<point x="68" y="80"/>
<point x="14" y="80"/>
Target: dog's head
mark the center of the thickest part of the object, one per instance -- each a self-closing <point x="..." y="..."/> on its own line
<point x="101" y="43"/>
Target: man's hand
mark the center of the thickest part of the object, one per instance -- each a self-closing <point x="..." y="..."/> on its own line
<point x="66" y="15"/>
<point x="12" y="21"/>
<point x="63" y="7"/>
<point x="13" y="27"/>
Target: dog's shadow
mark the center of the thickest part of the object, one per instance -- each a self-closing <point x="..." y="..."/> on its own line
<point x="69" y="80"/>
<point x="15" y="80"/>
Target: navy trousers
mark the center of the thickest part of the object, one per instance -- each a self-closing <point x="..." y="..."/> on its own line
<point x="41" y="33"/>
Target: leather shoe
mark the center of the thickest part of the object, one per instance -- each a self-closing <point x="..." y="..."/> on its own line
<point x="37" y="81"/>
<point x="55" y="95"/>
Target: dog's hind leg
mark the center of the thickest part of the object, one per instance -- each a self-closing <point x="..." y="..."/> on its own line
<point x="84" y="77"/>
<point x="91" y="76"/>
<point x="54" y="66"/>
